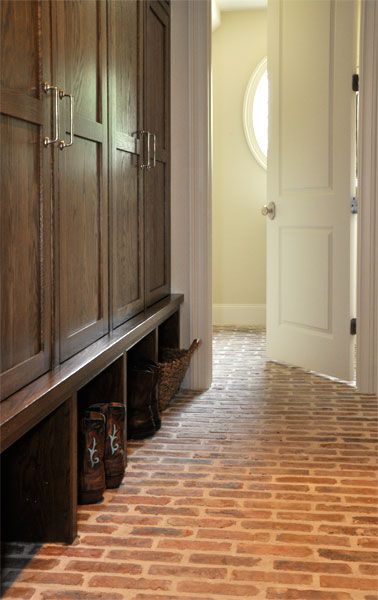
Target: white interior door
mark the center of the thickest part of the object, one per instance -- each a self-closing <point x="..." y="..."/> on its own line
<point x="311" y="60"/>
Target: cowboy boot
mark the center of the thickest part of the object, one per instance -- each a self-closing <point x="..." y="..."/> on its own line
<point x="91" y="457"/>
<point x="140" y="419"/>
<point x="115" y="457"/>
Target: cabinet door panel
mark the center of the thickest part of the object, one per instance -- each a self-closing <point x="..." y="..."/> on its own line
<point x="25" y="234"/>
<point x="126" y="192"/>
<point x="157" y="180"/>
<point x="157" y="227"/>
<point x="81" y="181"/>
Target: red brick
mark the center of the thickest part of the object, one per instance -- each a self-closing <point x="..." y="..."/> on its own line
<point x="183" y="571"/>
<point x="312" y="567"/>
<point x="70" y="551"/>
<point x="303" y="516"/>
<point x="165" y="597"/>
<point x="92" y="566"/>
<point x="348" y="555"/>
<point x="277" y="526"/>
<point x="99" y="540"/>
<point x="316" y="539"/>
<point x="219" y="559"/>
<point x="162" y="532"/>
<point x="145" y="555"/>
<point x="79" y="595"/>
<point x="194" y="545"/>
<point x="43" y="577"/>
<point x="193" y="522"/>
<point x="16" y="591"/>
<point x="128" y="583"/>
<point x="355" y="583"/>
<point x="293" y="594"/>
<point x="222" y="589"/>
<point x="18" y="562"/>
<point x="160" y="501"/>
<point x="369" y="570"/>
<point x="274" y="550"/>
<point x="167" y="510"/>
<point x="270" y="577"/>
<point x="127" y="519"/>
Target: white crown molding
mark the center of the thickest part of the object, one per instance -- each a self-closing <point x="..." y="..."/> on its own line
<point x="367" y="303"/>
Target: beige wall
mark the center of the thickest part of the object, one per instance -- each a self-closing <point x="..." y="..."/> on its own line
<point x="239" y="183"/>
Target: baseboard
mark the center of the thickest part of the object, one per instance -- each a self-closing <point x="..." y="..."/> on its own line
<point x="239" y="314"/>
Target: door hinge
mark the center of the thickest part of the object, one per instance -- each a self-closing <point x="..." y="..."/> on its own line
<point x="354" y="206"/>
<point x="353" y="326"/>
<point x="355" y="82"/>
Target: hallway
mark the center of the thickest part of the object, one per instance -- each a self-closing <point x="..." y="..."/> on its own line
<point x="262" y="487"/>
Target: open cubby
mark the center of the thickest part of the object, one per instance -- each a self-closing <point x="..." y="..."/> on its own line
<point x="169" y="333"/>
<point x="107" y="386"/>
<point x="145" y="349"/>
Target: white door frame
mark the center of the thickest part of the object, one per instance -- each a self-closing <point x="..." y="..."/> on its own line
<point x="367" y="300"/>
<point x="199" y="50"/>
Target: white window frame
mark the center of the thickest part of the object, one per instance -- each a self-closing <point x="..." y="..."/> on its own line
<point x="249" y="97"/>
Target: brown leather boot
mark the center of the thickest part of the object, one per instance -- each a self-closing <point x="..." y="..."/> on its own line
<point x="140" y="418"/>
<point x="115" y="455"/>
<point x="91" y="476"/>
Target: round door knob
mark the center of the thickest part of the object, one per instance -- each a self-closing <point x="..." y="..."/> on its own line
<point x="269" y="210"/>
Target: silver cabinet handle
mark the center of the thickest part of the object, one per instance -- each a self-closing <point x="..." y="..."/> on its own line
<point x="47" y="88"/>
<point x="62" y="143"/>
<point x="148" y="166"/>
<point x="140" y="136"/>
<point x="269" y="210"/>
<point x="154" y="157"/>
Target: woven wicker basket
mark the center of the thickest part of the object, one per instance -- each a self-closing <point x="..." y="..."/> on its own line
<point x="172" y="371"/>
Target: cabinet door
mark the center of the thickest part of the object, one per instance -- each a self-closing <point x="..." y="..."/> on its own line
<point x="25" y="191"/>
<point x="125" y="21"/>
<point x="81" y="181"/>
<point x="157" y="179"/>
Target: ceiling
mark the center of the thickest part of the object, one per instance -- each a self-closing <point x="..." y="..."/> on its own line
<point x="219" y="6"/>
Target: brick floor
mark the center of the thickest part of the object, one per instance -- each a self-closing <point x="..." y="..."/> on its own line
<point x="263" y="487"/>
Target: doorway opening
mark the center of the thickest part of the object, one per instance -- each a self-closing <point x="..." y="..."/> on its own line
<point x="314" y="302"/>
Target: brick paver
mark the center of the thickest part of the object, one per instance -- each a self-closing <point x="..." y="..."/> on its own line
<point x="263" y="487"/>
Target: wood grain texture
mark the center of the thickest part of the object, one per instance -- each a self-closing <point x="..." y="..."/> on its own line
<point x="25" y="181"/>
<point x="39" y="479"/>
<point x="125" y="21"/>
<point x="21" y="46"/>
<point x="157" y="180"/>
<point x="81" y="202"/>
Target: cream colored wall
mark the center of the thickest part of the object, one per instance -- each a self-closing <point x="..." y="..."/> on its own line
<point x="239" y="183"/>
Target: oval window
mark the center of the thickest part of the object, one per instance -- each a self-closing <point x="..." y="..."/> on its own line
<point x="255" y="113"/>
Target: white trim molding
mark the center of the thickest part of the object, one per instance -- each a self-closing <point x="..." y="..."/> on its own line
<point x="239" y="314"/>
<point x="367" y="302"/>
<point x="199" y="43"/>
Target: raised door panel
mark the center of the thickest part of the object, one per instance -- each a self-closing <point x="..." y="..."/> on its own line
<point x="125" y="19"/>
<point x="157" y="178"/>
<point x="81" y="181"/>
<point x="25" y="193"/>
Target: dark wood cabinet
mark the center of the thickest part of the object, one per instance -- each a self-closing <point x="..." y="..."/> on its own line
<point x="157" y="121"/>
<point x="85" y="219"/>
<point x="25" y="190"/>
